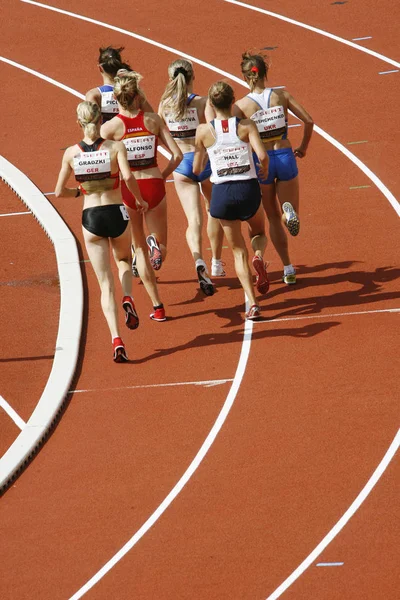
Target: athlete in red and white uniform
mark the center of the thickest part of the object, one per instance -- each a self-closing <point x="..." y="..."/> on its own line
<point x="140" y="132"/>
<point x="96" y="164"/>
<point x="236" y="195"/>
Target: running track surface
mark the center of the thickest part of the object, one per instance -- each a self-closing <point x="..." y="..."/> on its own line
<point x="316" y="410"/>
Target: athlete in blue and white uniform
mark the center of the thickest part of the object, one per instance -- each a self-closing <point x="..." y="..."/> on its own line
<point x="236" y="197"/>
<point x="268" y="108"/>
<point x="183" y="111"/>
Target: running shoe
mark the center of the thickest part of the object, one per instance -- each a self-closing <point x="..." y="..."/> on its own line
<point x="135" y="272"/>
<point x="119" y="352"/>
<point x="262" y="281"/>
<point x="217" y="268"/>
<point x="205" y="282"/>
<point x="254" y="313"/>
<point x="289" y="278"/>
<point x="291" y="218"/>
<point x="158" y="314"/>
<point x="154" y="252"/>
<point x="131" y="316"/>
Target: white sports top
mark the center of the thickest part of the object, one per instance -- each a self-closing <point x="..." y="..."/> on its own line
<point x="271" y="121"/>
<point x="231" y="159"/>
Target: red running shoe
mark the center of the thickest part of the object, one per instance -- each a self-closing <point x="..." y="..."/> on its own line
<point x="254" y="313"/>
<point x="131" y="316"/>
<point x="158" y="314"/>
<point x="154" y="252"/>
<point x="262" y="281"/>
<point x="120" y="355"/>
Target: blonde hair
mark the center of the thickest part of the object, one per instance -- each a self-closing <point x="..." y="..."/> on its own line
<point x="127" y="90"/>
<point x="174" y="98"/>
<point x="88" y="114"/>
<point x="254" y="67"/>
<point x="221" y="94"/>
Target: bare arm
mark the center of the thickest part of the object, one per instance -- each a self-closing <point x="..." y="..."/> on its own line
<point x="237" y="111"/>
<point x="146" y="107"/>
<point x="200" y="151"/>
<point x="170" y="143"/>
<point x="259" y="148"/>
<point x="94" y="95"/>
<point x="128" y="177"/>
<point x="303" y="115"/>
<point x="109" y="130"/>
<point x="61" y="190"/>
<point x="209" y="112"/>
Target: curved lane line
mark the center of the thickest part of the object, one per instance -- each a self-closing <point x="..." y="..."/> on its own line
<point x="332" y="36"/>
<point x="329" y="138"/>
<point x="12" y="413"/>
<point x="342" y="521"/>
<point x="379" y="184"/>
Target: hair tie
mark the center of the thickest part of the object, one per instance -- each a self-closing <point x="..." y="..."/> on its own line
<point x="180" y="70"/>
<point x="254" y="69"/>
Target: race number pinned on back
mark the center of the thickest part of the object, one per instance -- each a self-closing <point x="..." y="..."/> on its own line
<point x="141" y="150"/>
<point x="124" y="212"/>
<point x="185" y="128"/>
<point x="109" y="105"/>
<point x="232" y="160"/>
<point x="92" y="165"/>
<point x="271" y="123"/>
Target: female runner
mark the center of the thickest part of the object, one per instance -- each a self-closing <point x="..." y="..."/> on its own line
<point x="268" y="108"/>
<point x="96" y="164"/>
<point x="140" y="132"/>
<point x="236" y="195"/>
<point x="182" y="111"/>
<point x="109" y="63"/>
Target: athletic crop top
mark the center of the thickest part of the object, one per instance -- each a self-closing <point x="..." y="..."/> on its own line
<point x="270" y="120"/>
<point x="92" y="169"/>
<point x="231" y="159"/>
<point x="109" y="105"/>
<point x="186" y="127"/>
<point x="140" y="143"/>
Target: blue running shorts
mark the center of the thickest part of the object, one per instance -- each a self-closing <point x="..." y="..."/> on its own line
<point x="282" y="166"/>
<point x="186" y="168"/>
<point x="235" y="200"/>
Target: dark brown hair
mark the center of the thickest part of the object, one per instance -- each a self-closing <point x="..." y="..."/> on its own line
<point x="111" y="61"/>
<point x="254" y="67"/>
<point x="221" y="95"/>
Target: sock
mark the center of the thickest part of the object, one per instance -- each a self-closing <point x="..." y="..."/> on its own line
<point x="200" y="263"/>
<point x="288" y="269"/>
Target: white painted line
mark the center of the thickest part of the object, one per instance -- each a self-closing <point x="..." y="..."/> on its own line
<point x="330" y="564"/>
<point x="389" y="196"/>
<point x="315" y="30"/>
<point x="11" y="413"/>
<point x="331" y="315"/>
<point x="295" y="125"/>
<point x="27" y="212"/>
<point x="209" y="383"/>
<point x="367" y="37"/>
<point x="49" y="193"/>
<point x="244" y="355"/>
<point x="336" y="529"/>
<point x="387" y="72"/>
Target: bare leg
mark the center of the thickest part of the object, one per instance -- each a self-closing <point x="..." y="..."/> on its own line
<point x="257" y="232"/>
<point x="144" y="267"/>
<point x="99" y="254"/>
<point x="214" y="230"/>
<point x="189" y="195"/>
<point x="121" y="247"/>
<point x="156" y="221"/>
<point x="233" y="232"/>
<point x="276" y="228"/>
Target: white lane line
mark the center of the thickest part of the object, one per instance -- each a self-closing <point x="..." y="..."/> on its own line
<point x="209" y="383"/>
<point x="342" y="521"/>
<point x="330" y="564"/>
<point x="387" y="72"/>
<point x="389" y="196"/>
<point x="315" y="30"/>
<point x="26" y="212"/>
<point x="330" y="315"/>
<point x="244" y="355"/>
<point x="11" y="413"/>
<point x="367" y="37"/>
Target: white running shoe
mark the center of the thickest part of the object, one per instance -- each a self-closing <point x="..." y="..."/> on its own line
<point x="205" y="282"/>
<point x="291" y="219"/>
<point x="217" y="268"/>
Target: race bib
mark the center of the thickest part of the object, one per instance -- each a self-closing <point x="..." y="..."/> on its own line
<point x="92" y="165"/>
<point x="109" y="104"/>
<point x="271" y="123"/>
<point x="231" y="160"/>
<point x="186" y="127"/>
<point x="124" y="213"/>
<point x="140" y="150"/>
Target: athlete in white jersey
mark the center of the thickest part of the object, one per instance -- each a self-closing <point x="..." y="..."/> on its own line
<point x="268" y="108"/>
<point x="236" y="195"/>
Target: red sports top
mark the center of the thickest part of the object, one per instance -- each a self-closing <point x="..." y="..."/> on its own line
<point x="140" y="143"/>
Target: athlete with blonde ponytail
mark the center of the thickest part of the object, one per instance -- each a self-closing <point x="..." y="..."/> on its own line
<point x="96" y="164"/>
<point x="268" y="108"/>
<point x="183" y="111"/>
<point x="140" y="132"/>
